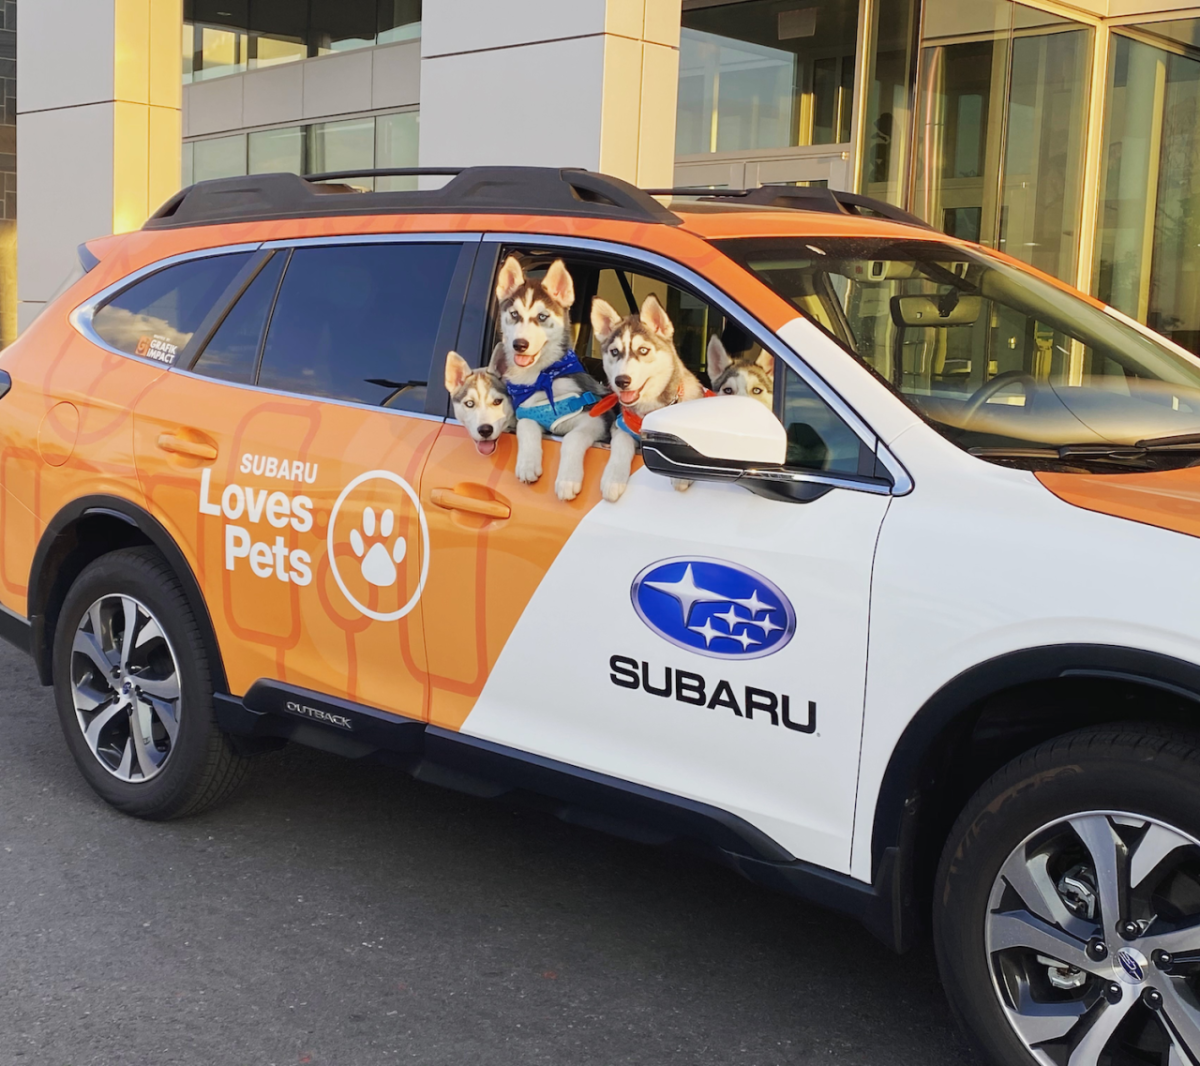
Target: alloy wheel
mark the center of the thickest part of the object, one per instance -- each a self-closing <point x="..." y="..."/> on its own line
<point x="125" y="687"/>
<point x="1093" y="940"/>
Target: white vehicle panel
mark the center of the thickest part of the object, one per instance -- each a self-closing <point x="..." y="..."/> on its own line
<point x="552" y="691"/>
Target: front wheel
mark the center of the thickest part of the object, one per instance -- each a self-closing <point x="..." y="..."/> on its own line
<point x="133" y="690"/>
<point x="1067" y="906"/>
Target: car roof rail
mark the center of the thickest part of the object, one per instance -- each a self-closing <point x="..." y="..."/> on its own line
<point x="802" y="198"/>
<point x="470" y="190"/>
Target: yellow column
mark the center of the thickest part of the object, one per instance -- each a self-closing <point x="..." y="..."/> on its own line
<point x="641" y="75"/>
<point x="147" y="108"/>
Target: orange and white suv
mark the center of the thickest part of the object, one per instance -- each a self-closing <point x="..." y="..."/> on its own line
<point x="940" y="666"/>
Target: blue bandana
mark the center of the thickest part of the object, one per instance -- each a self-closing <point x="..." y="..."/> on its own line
<point x="569" y="364"/>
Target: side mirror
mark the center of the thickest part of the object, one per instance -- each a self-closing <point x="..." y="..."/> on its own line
<point x="726" y="438"/>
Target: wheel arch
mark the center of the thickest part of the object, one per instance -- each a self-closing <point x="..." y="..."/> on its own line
<point x="989" y="714"/>
<point x="81" y="532"/>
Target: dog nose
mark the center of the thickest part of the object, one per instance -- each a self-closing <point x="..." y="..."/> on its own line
<point x="622" y="381"/>
<point x="520" y="344"/>
<point x="486" y="431"/>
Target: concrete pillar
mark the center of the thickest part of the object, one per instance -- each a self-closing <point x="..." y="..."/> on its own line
<point x="584" y="83"/>
<point x="98" y="128"/>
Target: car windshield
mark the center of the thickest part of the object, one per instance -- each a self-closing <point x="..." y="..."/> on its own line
<point x="1002" y="362"/>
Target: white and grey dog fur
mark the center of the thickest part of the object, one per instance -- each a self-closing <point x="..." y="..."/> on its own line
<point x="480" y="402"/>
<point x="741" y="377"/>
<point x="645" y="371"/>
<point x="535" y="333"/>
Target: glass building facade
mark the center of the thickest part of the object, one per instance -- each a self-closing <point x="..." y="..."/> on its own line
<point x="1070" y="142"/>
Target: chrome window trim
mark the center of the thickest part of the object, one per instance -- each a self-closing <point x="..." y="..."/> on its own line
<point x="309" y="396"/>
<point x="81" y="317"/>
<point x="440" y="237"/>
<point x="769" y="340"/>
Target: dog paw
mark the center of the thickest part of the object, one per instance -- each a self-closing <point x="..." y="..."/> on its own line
<point x="567" y="490"/>
<point x="378" y="564"/>
<point x="529" y="470"/>
<point x="613" y="488"/>
<point x="679" y="485"/>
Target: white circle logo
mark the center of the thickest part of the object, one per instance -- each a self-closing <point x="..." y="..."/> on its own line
<point x="379" y="546"/>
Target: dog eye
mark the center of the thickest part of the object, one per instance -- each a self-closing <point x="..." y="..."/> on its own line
<point x="468" y="403"/>
<point x="728" y="390"/>
<point x="757" y="391"/>
<point x="615" y="352"/>
<point x="643" y="351"/>
<point x="515" y="315"/>
<point x="497" y="403"/>
<point x="542" y="316"/>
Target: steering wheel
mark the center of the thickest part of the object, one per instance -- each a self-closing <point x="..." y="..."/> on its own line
<point x="990" y="388"/>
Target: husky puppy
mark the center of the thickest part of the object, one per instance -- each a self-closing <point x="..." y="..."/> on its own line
<point x="645" y="373"/>
<point x="548" y="386"/>
<point x="741" y="377"/>
<point x="480" y="402"/>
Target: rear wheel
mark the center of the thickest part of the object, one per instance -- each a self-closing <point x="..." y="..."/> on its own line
<point x="1067" y="911"/>
<point x="134" y="693"/>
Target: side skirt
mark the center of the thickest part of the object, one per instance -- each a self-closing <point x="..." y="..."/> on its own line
<point x="272" y="713"/>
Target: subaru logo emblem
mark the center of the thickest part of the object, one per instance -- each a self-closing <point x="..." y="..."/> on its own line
<point x="713" y="608"/>
<point x="1130" y="964"/>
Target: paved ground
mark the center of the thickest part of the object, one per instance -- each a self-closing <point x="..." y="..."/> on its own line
<point x="346" y="915"/>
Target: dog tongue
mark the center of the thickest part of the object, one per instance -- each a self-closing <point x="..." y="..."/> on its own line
<point x="485" y="447"/>
<point x="523" y="360"/>
<point x="627" y="397"/>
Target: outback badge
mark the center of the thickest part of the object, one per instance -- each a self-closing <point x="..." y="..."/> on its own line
<point x="713" y="608"/>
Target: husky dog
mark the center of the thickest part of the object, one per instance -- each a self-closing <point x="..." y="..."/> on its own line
<point x="645" y="373"/>
<point x="549" y="388"/>
<point x="741" y="377"/>
<point x="480" y="402"/>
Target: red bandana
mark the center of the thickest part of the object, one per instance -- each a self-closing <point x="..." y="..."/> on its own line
<point x="632" y="419"/>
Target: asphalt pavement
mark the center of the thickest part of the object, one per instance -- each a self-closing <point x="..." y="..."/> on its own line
<point x="343" y="914"/>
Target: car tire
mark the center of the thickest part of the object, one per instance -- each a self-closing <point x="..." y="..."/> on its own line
<point x="1039" y="881"/>
<point x="137" y="714"/>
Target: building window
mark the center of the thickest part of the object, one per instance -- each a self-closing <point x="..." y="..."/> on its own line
<point x="230" y="36"/>
<point x="1001" y="118"/>
<point x="891" y="79"/>
<point x="759" y="74"/>
<point x="1148" y="244"/>
<point x="375" y="141"/>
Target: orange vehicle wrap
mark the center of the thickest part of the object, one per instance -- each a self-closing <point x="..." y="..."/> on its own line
<point x="1169" y="499"/>
<point x="288" y="599"/>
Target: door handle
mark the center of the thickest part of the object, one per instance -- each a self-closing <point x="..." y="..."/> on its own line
<point x="456" y="501"/>
<point x="193" y="449"/>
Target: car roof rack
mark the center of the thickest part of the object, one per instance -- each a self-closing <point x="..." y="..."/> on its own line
<point x="802" y="198"/>
<point x="470" y="190"/>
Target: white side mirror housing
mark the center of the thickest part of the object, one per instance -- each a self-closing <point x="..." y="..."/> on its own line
<point x="734" y="429"/>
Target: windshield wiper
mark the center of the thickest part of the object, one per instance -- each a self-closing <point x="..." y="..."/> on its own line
<point x="1140" y="453"/>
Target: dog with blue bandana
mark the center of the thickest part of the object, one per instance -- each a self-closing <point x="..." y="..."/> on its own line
<point x="551" y="392"/>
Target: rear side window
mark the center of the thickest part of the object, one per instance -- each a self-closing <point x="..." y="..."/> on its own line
<point x="157" y="316"/>
<point x="359" y="322"/>
<point x="232" y="352"/>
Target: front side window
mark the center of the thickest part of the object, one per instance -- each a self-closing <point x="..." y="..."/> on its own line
<point x="359" y="322"/>
<point x="157" y="316"/>
<point x="1002" y="362"/>
<point x="818" y="439"/>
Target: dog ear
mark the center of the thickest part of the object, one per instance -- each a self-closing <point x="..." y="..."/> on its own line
<point x="654" y="316"/>
<point x="457" y="370"/>
<point x="717" y="361"/>
<point x="767" y="361"/>
<point x="496" y="363"/>
<point x="510" y="278"/>
<point x="605" y="319"/>
<point x="558" y="283"/>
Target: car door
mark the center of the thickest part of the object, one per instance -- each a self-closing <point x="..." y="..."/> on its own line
<point x="285" y="461"/>
<point x="710" y="643"/>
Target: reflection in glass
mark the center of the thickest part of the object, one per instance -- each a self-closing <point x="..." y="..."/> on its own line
<point x="1148" y="257"/>
<point x="889" y="112"/>
<point x="1000" y="361"/>
<point x="754" y="76"/>
<point x="219" y="157"/>
<point x="396" y="142"/>
<point x="348" y="145"/>
<point x="1001" y="116"/>
<point x="271" y="151"/>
